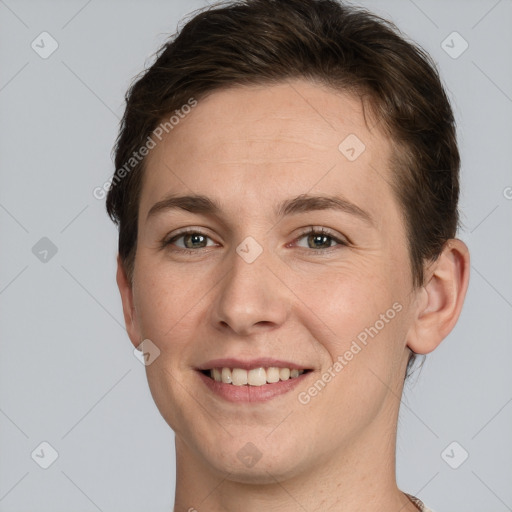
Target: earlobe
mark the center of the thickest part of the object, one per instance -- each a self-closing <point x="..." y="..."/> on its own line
<point x="441" y="298"/>
<point x="129" y="312"/>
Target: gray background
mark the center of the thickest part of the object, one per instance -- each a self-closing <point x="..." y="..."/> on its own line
<point x="68" y="375"/>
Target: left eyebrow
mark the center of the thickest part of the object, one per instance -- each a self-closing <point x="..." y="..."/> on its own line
<point x="306" y="203"/>
<point x="303" y="203"/>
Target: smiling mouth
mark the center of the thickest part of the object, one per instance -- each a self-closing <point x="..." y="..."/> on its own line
<point x="254" y="377"/>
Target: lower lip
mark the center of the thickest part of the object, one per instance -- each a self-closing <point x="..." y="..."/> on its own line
<point x="233" y="393"/>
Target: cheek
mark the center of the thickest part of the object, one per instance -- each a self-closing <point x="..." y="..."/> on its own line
<point x="164" y="300"/>
<point x="347" y="299"/>
<point x="358" y="316"/>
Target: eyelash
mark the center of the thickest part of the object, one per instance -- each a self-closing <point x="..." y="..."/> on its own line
<point x="311" y="230"/>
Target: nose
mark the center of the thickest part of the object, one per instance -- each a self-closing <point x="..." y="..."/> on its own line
<point x="251" y="298"/>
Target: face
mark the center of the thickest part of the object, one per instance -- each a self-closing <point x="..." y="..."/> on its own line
<point x="267" y="276"/>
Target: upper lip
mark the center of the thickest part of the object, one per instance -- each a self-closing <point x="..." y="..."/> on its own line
<point x="261" y="362"/>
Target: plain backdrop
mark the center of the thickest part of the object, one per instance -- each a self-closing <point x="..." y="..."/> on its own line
<point x="68" y="375"/>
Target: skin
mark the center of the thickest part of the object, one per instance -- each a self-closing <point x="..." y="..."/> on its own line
<point x="249" y="148"/>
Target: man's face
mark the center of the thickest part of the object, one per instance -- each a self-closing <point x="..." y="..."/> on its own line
<point x="249" y="282"/>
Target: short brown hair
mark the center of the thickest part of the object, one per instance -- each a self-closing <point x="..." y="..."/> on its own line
<point x="254" y="42"/>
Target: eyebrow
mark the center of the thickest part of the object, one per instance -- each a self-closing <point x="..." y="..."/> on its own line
<point x="303" y="203"/>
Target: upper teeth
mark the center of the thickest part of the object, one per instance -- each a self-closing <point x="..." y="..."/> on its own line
<point x="254" y="377"/>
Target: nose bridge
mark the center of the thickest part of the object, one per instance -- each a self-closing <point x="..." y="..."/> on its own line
<point x="250" y="296"/>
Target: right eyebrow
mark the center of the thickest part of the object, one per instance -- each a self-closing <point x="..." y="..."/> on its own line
<point x="191" y="203"/>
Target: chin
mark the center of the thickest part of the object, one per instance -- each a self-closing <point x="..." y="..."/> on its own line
<point x="256" y="463"/>
<point x="262" y="473"/>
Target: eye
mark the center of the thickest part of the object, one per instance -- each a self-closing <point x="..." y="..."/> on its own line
<point x="319" y="238"/>
<point x="314" y="238"/>
<point x="189" y="240"/>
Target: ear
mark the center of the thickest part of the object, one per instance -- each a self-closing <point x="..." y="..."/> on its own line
<point x="129" y="312"/>
<point x="440" y="298"/>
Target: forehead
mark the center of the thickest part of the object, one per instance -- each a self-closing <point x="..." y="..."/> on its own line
<point x="251" y="144"/>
